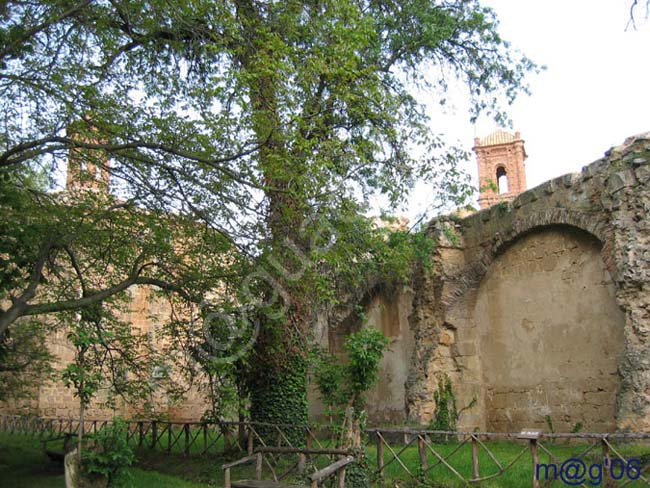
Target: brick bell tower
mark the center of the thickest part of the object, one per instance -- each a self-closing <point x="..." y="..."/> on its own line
<point x="87" y="170"/>
<point x="501" y="170"/>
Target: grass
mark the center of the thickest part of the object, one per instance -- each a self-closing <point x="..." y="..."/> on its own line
<point x="23" y="464"/>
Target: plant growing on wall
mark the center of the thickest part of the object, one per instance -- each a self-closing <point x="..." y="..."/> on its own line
<point x="445" y="414"/>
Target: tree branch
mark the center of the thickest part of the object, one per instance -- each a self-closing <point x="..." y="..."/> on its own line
<point x="11" y="47"/>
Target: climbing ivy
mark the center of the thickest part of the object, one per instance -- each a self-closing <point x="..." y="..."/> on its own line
<point x="281" y="397"/>
<point x="356" y="474"/>
<point x="445" y="414"/>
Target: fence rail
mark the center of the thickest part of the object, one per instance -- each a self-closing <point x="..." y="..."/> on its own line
<point x="185" y="437"/>
<point x="400" y="457"/>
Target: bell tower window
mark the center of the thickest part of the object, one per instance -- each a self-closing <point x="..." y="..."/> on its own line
<point x="502" y="180"/>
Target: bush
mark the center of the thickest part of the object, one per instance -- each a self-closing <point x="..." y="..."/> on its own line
<point x="111" y="454"/>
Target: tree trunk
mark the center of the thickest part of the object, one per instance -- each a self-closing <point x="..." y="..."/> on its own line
<point x="351" y="431"/>
<point x="278" y="377"/>
<point x="278" y="383"/>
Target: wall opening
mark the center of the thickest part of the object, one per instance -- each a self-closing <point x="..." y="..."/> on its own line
<point x="550" y="335"/>
<point x="502" y="180"/>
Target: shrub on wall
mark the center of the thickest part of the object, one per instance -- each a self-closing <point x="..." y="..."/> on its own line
<point x="445" y="415"/>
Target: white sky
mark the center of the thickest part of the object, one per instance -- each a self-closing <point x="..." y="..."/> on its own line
<point x="594" y="93"/>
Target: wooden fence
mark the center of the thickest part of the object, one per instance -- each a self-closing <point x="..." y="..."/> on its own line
<point x="188" y="438"/>
<point x="517" y="459"/>
<point x="400" y="457"/>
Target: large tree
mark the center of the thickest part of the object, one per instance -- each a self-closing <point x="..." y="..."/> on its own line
<point x="271" y="123"/>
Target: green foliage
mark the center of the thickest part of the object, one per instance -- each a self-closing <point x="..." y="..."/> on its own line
<point x="281" y="397"/>
<point x="82" y="374"/>
<point x="379" y="254"/>
<point x="490" y="185"/>
<point x="237" y="124"/>
<point x="346" y="383"/>
<point x="450" y="233"/>
<point x="365" y="350"/>
<point x="328" y="375"/>
<point x="502" y="207"/>
<point x="357" y="474"/>
<point x="25" y="362"/>
<point x="445" y="414"/>
<point x="110" y="454"/>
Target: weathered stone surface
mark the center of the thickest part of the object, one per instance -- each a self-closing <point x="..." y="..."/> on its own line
<point x="568" y="265"/>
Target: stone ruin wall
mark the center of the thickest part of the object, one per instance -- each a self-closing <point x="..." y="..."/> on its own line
<point x="539" y="308"/>
<point x="53" y="399"/>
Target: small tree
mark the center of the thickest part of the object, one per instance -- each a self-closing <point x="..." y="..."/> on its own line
<point x="328" y="376"/>
<point x="109" y="355"/>
<point x="81" y="374"/>
<point x="112" y="454"/>
<point x="347" y="384"/>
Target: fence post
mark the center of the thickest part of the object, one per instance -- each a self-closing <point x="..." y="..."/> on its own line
<point x="258" y="466"/>
<point x="342" y="478"/>
<point x="226" y="439"/>
<point x="250" y="441"/>
<point x="204" y="426"/>
<point x="154" y="434"/>
<point x="140" y="433"/>
<point x="607" y="463"/>
<point x="169" y="436"/>
<point x="535" y="457"/>
<point x="226" y="478"/>
<point x="187" y="439"/>
<point x="475" y="469"/>
<point x="380" y="454"/>
<point x="423" y="453"/>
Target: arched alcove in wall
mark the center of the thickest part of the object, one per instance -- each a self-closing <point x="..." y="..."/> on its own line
<point x="550" y="334"/>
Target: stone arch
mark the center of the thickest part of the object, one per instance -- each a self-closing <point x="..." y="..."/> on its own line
<point x="509" y="230"/>
<point x="549" y="331"/>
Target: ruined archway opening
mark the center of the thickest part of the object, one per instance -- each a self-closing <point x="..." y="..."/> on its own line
<point x="550" y="334"/>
